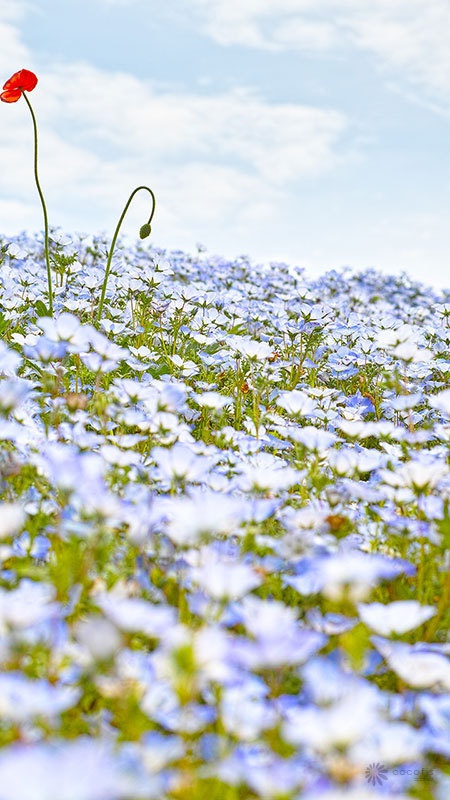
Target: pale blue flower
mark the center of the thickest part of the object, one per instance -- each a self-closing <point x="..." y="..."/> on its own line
<point x="82" y="769"/>
<point x="22" y="698"/>
<point x="420" y="668"/>
<point x="397" y="617"/>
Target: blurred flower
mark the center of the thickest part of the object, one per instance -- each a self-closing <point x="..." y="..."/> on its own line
<point x="85" y="769"/>
<point x="12" y="518"/>
<point x="134" y="614"/>
<point x="397" y="617"/>
<point x="22" y="698"/>
<point x="421" y="668"/>
<point x="224" y="579"/>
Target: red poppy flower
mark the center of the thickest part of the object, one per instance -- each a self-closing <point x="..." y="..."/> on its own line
<point x="22" y="81"/>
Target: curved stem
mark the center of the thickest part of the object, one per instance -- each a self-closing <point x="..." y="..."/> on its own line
<point x="44" y="207"/>
<point x="113" y="243"/>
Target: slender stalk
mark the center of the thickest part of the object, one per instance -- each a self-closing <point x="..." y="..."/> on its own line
<point x="44" y="207"/>
<point x="113" y="243"/>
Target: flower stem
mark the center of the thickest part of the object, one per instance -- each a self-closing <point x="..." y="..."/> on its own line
<point x="113" y="243"/>
<point x="44" y="207"/>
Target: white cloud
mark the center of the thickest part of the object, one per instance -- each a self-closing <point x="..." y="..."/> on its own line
<point x="218" y="161"/>
<point x="410" y="36"/>
<point x="279" y="142"/>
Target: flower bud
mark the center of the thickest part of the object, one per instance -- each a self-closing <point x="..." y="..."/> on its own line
<point x="145" y="231"/>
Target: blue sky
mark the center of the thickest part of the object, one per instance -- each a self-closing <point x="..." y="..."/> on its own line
<point x="312" y="132"/>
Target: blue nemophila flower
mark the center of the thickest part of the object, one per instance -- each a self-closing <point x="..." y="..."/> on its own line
<point x="436" y="709"/>
<point x="249" y="348"/>
<point x="181" y="463"/>
<point x="201" y="514"/>
<point x="416" y="665"/>
<point x="223" y="579"/>
<point x="159" y="750"/>
<point x="358" y="429"/>
<point x="14" y="392"/>
<point x="38" y="548"/>
<point x="9" y="360"/>
<point x="80" y="473"/>
<point x="329" y="623"/>
<point x="66" y="328"/>
<point x="389" y="742"/>
<point x="297" y="402"/>
<point x="359" y="791"/>
<point x="85" y="769"/>
<point x="213" y="649"/>
<point x="354" y="572"/>
<point x="29" y="604"/>
<point x="394" y="618"/>
<point x="266" y="773"/>
<point x="12" y="519"/>
<point x="98" y="636"/>
<point x="131" y="391"/>
<point x="266" y="472"/>
<point x="441" y="402"/>
<point x="335" y="725"/>
<point x="135" y="614"/>
<point x="351" y="460"/>
<point x="311" y="437"/>
<point x="245" y="712"/>
<point x="120" y="458"/>
<point x="213" y="400"/>
<point x="417" y="474"/>
<point x="23" y="699"/>
<point x="45" y="350"/>
<point x="277" y="636"/>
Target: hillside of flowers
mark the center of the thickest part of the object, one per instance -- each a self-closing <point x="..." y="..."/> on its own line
<point x="224" y="529"/>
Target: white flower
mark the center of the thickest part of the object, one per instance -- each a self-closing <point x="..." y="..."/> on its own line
<point x="312" y="438"/>
<point x="80" y="769"/>
<point x="99" y="636"/>
<point x="181" y="462"/>
<point x="441" y="402"/>
<point x="389" y="743"/>
<point x="297" y="402"/>
<point x="245" y="713"/>
<point x="12" y="519"/>
<point x="29" y="604"/>
<point x="66" y="328"/>
<point x="225" y="580"/>
<point x="213" y="400"/>
<point x="397" y="617"/>
<point x="337" y="724"/>
<point x="423" y="669"/>
<point x="249" y="348"/>
<point x="134" y="614"/>
<point x="203" y="513"/>
<point x="416" y="474"/>
<point x="22" y="698"/>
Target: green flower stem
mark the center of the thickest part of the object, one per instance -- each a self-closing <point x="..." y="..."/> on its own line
<point x="113" y="243"/>
<point x="44" y="207"/>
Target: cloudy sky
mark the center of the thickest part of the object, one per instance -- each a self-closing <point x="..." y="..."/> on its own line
<point x="311" y="131"/>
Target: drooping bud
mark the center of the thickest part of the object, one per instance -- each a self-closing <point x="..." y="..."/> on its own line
<point x="145" y="231"/>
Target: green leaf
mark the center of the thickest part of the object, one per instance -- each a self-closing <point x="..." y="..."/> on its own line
<point x="41" y="309"/>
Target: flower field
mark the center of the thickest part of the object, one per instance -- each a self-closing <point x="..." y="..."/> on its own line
<point x="224" y="525"/>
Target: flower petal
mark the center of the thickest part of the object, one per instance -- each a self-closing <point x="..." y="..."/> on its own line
<point x="23" y="80"/>
<point x="11" y="96"/>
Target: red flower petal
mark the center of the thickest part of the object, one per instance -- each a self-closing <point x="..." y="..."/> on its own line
<point x="23" y="81"/>
<point x="11" y="96"/>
